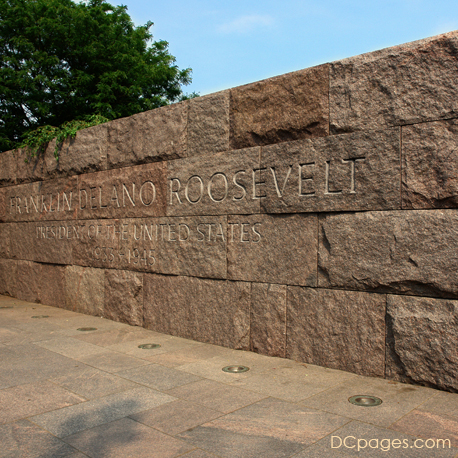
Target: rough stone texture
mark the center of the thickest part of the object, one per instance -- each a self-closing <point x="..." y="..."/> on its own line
<point x="151" y="136"/>
<point x="217" y="184"/>
<point x="358" y="171"/>
<point x="32" y="168"/>
<point x="338" y="329"/>
<point x="124" y="297"/>
<point x="405" y="84"/>
<point x="268" y="319"/>
<point x="27" y="279"/>
<point x="5" y="241"/>
<point x="273" y="248"/>
<point x="8" y="168"/>
<point x="87" y="152"/>
<point x="208" y="124"/>
<point x="51" y="285"/>
<point x="301" y="96"/>
<point x="85" y="290"/>
<point x="42" y="200"/>
<point x="421" y="341"/>
<point x="42" y="242"/>
<point x="429" y="171"/>
<point x="123" y="193"/>
<point x="216" y="312"/>
<point x="8" y="275"/>
<point x="399" y="251"/>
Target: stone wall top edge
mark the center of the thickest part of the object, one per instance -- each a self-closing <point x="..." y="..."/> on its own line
<point x="408" y="46"/>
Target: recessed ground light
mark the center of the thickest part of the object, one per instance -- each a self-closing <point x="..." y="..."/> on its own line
<point x="40" y="316"/>
<point x="6" y="307"/>
<point x="235" y="369"/>
<point x="365" y="401"/>
<point x="149" y="346"/>
<point x="87" y="329"/>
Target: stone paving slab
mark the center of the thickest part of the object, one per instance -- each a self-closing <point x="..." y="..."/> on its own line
<point x="73" y="395"/>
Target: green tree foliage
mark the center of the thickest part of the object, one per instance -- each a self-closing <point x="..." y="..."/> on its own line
<point x="62" y="61"/>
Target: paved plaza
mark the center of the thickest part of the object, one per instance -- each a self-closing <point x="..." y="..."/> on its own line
<point x="67" y="392"/>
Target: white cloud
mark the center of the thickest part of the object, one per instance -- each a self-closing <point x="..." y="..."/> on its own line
<point x="245" y="24"/>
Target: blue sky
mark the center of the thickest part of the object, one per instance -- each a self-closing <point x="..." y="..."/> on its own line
<point x="236" y="42"/>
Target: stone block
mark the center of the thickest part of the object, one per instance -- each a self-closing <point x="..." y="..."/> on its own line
<point x="421" y="341"/>
<point x="51" y="285"/>
<point x="208" y="124"/>
<point x="87" y="152"/>
<point x="216" y="184"/>
<point x="5" y="240"/>
<point x="32" y="168"/>
<point x="124" y="297"/>
<point x="342" y="330"/>
<point x="429" y="165"/>
<point x="406" y="84"/>
<point x="359" y="171"/>
<point x="151" y="136"/>
<point x="123" y="193"/>
<point x="8" y="275"/>
<point x="8" y="168"/>
<point x="27" y="280"/>
<point x="48" y="200"/>
<point x="273" y="249"/>
<point x="211" y="311"/>
<point x="284" y="108"/>
<point x="398" y="251"/>
<point x="85" y="290"/>
<point x="268" y="319"/>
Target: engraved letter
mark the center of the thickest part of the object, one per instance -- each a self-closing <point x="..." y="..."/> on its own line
<point x="100" y="198"/>
<point x="327" y="191"/>
<point x="85" y="201"/>
<point x="210" y="183"/>
<point x="234" y="179"/>
<point x="114" y="196"/>
<point x="65" y="198"/>
<point x="280" y="193"/>
<point x="352" y="162"/>
<point x="256" y="232"/>
<point x="183" y="230"/>
<point x="255" y="194"/>
<point x="92" y="198"/>
<point x="153" y="191"/>
<point x="186" y="191"/>
<point x="172" y="192"/>
<point x="126" y="191"/>
<point x="302" y="179"/>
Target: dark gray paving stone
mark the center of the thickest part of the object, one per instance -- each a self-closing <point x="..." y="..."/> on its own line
<point x="71" y="420"/>
<point x="25" y="400"/>
<point x="127" y="438"/>
<point x="92" y="383"/>
<point x="175" y="417"/>
<point x="268" y="428"/>
<point x="216" y="396"/>
<point x="159" y="377"/>
<point x="374" y="442"/>
<point x="111" y="361"/>
<point x="29" y="363"/>
<point x="23" y="439"/>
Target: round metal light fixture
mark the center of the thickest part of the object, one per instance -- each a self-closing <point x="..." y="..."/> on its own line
<point x="6" y="307"/>
<point x="149" y="346"/>
<point x="235" y="369"/>
<point x="40" y="316"/>
<point x="365" y="401"/>
<point x="87" y="329"/>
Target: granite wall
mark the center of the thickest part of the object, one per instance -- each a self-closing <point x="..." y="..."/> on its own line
<point x="310" y="216"/>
